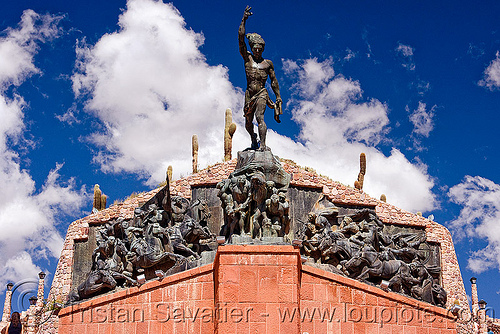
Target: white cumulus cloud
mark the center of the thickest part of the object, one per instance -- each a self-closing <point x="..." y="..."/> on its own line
<point x="27" y="215"/>
<point x="152" y="89"/>
<point x="491" y="77"/>
<point x="479" y="218"/>
<point x="337" y="124"/>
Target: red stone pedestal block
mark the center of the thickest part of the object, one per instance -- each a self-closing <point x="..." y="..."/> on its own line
<point x="255" y="289"/>
<point x="258" y="282"/>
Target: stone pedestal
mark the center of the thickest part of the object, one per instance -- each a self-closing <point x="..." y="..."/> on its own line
<point x="247" y="240"/>
<point x="6" y="306"/>
<point x="250" y="161"/>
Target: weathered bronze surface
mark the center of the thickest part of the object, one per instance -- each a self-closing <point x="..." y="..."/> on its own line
<point x="257" y="71"/>
<point x="161" y="235"/>
<point x="254" y="197"/>
<point x="359" y="245"/>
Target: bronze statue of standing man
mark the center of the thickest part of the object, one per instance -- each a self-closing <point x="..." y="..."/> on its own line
<point x="257" y="70"/>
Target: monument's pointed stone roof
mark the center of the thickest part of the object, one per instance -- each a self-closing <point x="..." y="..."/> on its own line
<point x="336" y="192"/>
<point x="306" y="177"/>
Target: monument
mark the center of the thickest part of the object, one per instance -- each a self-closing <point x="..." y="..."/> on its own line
<point x="238" y="246"/>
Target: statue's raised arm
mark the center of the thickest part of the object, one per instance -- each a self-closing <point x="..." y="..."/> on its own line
<point x="241" y="33"/>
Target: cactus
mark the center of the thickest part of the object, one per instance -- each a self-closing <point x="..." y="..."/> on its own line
<point x="229" y="130"/>
<point x="362" y="163"/>
<point x="169" y="173"/>
<point x="358" y="184"/>
<point x="195" y="153"/>
<point x="97" y="198"/>
<point x="383" y="198"/>
<point x="103" y="201"/>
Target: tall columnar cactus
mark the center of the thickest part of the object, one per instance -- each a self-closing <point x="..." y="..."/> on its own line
<point x="97" y="198"/>
<point x="358" y="184"/>
<point x="169" y="173"/>
<point x="103" y="201"/>
<point x="229" y="130"/>
<point x="195" y="153"/>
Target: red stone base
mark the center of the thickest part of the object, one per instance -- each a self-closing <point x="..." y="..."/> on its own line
<point x="255" y="289"/>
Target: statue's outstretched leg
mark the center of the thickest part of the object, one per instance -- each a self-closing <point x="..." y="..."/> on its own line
<point x="260" y="109"/>
<point x="255" y="143"/>
<point x="249" y="128"/>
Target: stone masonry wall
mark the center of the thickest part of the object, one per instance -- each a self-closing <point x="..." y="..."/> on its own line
<point x="156" y="307"/>
<point x="255" y="289"/>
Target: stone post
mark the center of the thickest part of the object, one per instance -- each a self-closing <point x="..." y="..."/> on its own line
<point x="474" y="296"/>
<point x="483" y="326"/>
<point x="41" y="285"/>
<point x="6" y="305"/>
<point x="39" y="303"/>
<point x="481" y="318"/>
<point x="30" y="317"/>
<point x="474" y="304"/>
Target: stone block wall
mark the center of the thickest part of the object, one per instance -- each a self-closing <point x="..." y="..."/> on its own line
<point x="337" y="304"/>
<point x="181" y="303"/>
<point x="255" y="289"/>
<point x="258" y="282"/>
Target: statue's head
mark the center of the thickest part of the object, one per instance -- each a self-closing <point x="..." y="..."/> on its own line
<point x="242" y="179"/>
<point x="257" y="44"/>
<point x="258" y="180"/>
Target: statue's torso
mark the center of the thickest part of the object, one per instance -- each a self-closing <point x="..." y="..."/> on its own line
<point x="257" y="73"/>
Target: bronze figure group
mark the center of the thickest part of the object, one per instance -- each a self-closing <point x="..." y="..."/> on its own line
<point x="163" y="234"/>
<point x="359" y="247"/>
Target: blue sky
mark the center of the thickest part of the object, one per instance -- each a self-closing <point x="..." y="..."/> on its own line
<point x="110" y="92"/>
